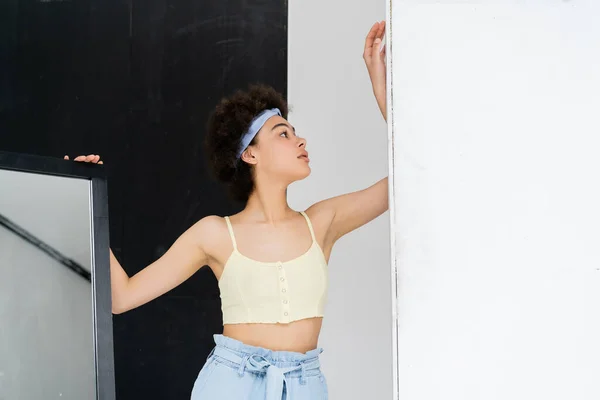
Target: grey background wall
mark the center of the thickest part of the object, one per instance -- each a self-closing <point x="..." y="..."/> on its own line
<point x="334" y="108"/>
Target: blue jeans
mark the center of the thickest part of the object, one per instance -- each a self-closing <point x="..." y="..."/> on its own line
<point x="236" y="371"/>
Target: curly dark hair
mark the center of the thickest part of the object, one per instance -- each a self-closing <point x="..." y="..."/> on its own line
<point x="226" y="125"/>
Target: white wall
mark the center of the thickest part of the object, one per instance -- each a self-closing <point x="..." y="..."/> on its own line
<point x="334" y="108"/>
<point x="496" y="126"/>
<point x="46" y="326"/>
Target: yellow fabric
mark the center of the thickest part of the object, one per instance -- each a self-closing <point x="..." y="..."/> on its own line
<point x="278" y="292"/>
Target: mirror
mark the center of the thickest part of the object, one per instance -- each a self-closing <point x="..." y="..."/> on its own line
<point x="53" y="294"/>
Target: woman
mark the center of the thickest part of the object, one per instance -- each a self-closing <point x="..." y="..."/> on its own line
<point x="272" y="288"/>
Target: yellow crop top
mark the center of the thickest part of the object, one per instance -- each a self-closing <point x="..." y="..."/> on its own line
<point x="276" y="292"/>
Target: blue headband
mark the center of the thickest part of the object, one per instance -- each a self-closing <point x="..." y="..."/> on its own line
<point x="255" y="126"/>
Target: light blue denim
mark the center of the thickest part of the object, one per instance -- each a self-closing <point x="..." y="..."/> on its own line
<point x="237" y="371"/>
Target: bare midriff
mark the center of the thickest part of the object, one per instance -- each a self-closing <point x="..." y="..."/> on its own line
<point x="298" y="336"/>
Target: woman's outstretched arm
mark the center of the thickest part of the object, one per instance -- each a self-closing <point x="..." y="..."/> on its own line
<point x="186" y="256"/>
<point x="180" y="262"/>
<point x="353" y="210"/>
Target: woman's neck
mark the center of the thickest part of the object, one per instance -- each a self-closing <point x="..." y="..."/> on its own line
<point x="268" y="205"/>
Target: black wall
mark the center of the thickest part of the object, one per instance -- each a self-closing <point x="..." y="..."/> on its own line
<point x="134" y="82"/>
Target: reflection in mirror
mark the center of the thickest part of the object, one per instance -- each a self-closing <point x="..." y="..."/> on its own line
<point x="46" y="309"/>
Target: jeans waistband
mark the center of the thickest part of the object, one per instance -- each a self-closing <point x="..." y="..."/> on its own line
<point x="255" y="362"/>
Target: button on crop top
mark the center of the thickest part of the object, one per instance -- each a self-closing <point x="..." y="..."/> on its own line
<point x="276" y="292"/>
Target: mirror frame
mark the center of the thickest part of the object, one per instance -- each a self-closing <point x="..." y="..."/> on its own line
<point x="100" y="271"/>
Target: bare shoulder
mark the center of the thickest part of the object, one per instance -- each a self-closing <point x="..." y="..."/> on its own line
<point x="212" y="236"/>
<point x="208" y="223"/>
<point x="207" y="231"/>
<point x="320" y="211"/>
<point x="321" y="215"/>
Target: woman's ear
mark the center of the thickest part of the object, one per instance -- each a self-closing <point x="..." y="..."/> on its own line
<point x="248" y="156"/>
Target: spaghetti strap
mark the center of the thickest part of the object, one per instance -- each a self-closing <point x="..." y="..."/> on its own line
<point x="312" y="232"/>
<point x="230" y="228"/>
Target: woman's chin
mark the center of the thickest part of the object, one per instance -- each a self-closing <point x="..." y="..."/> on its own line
<point x="300" y="175"/>
<point x="307" y="172"/>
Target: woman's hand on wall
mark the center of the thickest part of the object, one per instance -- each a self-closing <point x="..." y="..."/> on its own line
<point x="374" y="56"/>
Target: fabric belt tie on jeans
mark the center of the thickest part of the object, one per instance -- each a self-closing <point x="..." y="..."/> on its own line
<point x="275" y="375"/>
